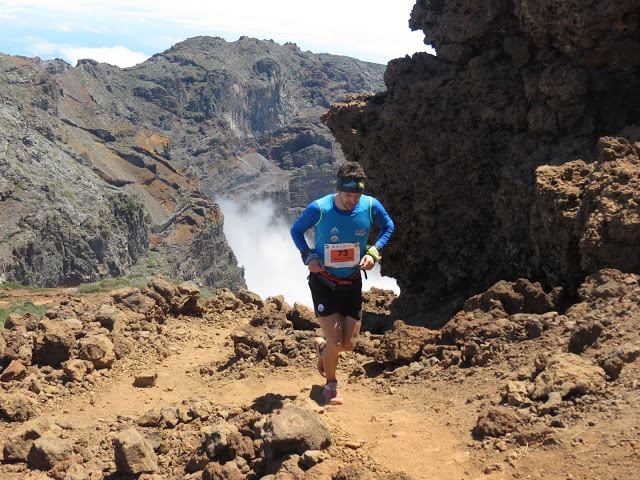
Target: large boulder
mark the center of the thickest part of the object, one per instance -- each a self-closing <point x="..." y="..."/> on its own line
<point x="216" y="438"/>
<point x="98" y="350"/>
<point x="47" y="451"/>
<point x="404" y="343"/>
<point x="133" y="453"/>
<point x="17" y="407"/>
<point x="568" y="374"/>
<point x="111" y="318"/>
<point x="295" y="430"/>
<point x="19" y="441"/>
<point x="302" y="318"/>
<point x="53" y="344"/>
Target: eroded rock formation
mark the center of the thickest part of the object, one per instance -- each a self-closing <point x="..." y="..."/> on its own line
<point x="513" y="152"/>
<point x="99" y="164"/>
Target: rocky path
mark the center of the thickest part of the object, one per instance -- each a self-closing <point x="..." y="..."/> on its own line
<point x="399" y="433"/>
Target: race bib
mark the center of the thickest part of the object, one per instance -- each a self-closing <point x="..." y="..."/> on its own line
<point x="341" y="255"/>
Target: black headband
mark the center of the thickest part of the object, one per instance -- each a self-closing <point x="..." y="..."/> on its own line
<point x="350" y="184"/>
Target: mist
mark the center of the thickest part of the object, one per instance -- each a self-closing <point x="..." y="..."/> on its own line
<point x="272" y="265"/>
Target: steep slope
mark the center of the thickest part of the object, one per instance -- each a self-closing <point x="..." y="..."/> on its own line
<point x="101" y="163"/>
<point x="469" y="149"/>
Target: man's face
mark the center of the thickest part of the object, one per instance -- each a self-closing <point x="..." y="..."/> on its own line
<point x="349" y="200"/>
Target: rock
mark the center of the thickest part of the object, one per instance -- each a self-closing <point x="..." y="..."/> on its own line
<point x="584" y="336"/>
<point x="216" y="438"/>
<point x="111" y="318"/>
<point x="302" y="318"/>
<point x="568" y="374"/>
<point x="228" y="471"/>
<point x="133" y="453"/>
<point x="496" y="422"/>
<point x="53" y="345"/>
<point x="149" y="419"/>
<point x="553" y="403"/>
<point x="295" y="430"/>
<point x="3" y="346"/>
<point x="47" y="451"/>
<point x="516" y="394"/>
<point x="14" y="371"/>
<point x="97" y="349"/>
<point x="145" y="380"/>
<point x="612" y="365"/>
<point x="247" y="296"/>
<point x="169" y="417"/>
<point x="77" y="369"/>
<point x="19" y="441"/>
<point x="122" y="346"/>
<point x="311" y="458"/>
<point x="404" y="343"/>
<point x="16" y="407"/>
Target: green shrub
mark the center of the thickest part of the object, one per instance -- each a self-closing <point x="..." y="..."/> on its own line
<point x="21" y="307"/>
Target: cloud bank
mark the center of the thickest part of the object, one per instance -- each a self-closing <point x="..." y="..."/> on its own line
<point x="118" y="55"/>
<point x="263" y="246"/>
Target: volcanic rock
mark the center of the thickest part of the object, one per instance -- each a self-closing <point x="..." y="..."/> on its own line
<point x="133" y="453"/>
<point x="295" y="430"/>
<point x="19" y="441"/>
<point x="404" y="343"/>
<point x="568" y="374"/>
<point x="98" y="350"/>
<point x="16" y="407"/>
<point x="47" y="451"/>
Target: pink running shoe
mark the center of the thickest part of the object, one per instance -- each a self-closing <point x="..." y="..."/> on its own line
<point x="331" y="394"/>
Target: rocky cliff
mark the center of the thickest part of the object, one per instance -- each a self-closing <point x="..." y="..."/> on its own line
<point x="512" y="153"/>
<point x="99" y="164"/>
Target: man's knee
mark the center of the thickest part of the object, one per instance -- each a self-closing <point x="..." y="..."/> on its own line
<point x="334" y="345"/>
<point x="349" y="345"/>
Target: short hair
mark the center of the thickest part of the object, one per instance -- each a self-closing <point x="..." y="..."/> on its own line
<point x="351" y="170"/>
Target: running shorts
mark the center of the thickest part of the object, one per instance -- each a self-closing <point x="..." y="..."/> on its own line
<point x="326" y="301"/>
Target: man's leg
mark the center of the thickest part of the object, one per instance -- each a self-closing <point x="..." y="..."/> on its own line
<point x="332" y="327"/>
<point x="350" y="332"/>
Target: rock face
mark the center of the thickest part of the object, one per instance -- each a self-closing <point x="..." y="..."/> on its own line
<point x="513" y="152"/>
<point x="100" y="164"/>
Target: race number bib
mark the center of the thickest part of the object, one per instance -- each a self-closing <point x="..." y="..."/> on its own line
<point x="341" y="255"/>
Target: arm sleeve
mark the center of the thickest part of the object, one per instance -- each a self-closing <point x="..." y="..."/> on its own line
<point x="382" y="220"/>
<point x="307" y="219"/>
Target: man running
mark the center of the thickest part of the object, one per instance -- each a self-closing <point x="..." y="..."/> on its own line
<point x="342" y="222"/>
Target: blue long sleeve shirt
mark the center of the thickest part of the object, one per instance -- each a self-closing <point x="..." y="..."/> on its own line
<point x="341" y="236"/>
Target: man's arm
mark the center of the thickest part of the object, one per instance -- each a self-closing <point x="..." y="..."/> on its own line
<point x="382" y="220"/>
<point x="307" y="219"/>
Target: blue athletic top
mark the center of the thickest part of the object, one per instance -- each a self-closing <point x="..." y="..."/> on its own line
<point x="341" y="236"/>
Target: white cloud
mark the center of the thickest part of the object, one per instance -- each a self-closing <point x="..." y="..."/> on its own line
<point x="263" y="246"/>
<point x="118" y="55"/>
<point x="374" y="30"/>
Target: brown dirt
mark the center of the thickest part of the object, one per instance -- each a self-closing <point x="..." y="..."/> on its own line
<point x="421" y="425"/>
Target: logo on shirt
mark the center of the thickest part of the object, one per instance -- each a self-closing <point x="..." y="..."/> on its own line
<point x="320" y="308"/>
<point x="361" y="232"/>
<point x="335" y="238"/>
<point x="334" y="231"/>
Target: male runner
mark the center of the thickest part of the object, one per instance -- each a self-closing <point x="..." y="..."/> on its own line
<point x="342" y="223"/>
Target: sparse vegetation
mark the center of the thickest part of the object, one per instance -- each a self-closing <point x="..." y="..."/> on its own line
<point x="21" y="307"/>
<point x="109" y="284"/>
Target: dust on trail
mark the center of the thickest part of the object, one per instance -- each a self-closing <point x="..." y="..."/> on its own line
<point x="399" y="433"/>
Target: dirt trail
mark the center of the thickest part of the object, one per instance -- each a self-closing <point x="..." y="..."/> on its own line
<point x="398" y="432"/>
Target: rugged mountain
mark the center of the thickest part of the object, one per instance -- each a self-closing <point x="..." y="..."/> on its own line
<point x="99" y="164"/>
<point x="512" y="153"/>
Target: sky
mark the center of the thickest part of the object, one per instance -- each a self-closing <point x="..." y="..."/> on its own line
<point x="271" y="261"/>
<point x="126" y="32"/>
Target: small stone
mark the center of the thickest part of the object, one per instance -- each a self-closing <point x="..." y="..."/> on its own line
<point x="145" y="380"/>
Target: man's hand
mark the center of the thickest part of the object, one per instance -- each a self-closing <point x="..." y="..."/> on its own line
<point x="315" y="266"/>
<point x="367" y="262"/>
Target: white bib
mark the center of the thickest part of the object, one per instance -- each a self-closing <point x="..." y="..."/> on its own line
<point x="339" y="255"/>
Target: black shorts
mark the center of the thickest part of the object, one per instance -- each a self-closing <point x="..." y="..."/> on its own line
<point x="326" y="301"/>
